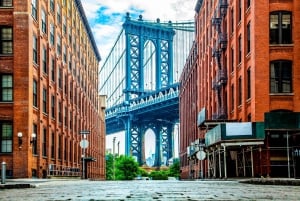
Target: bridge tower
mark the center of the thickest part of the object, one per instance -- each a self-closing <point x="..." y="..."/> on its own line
<point x="139" y="35"/>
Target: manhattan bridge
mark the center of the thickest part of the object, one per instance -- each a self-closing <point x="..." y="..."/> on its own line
<point x="140" y="78"/>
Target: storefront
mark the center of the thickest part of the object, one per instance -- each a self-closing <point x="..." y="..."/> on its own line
<point x="283" y="143"/>
<point x="234" y="149"/>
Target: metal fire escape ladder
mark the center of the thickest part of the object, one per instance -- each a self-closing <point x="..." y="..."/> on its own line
<point x="220" y="80"/>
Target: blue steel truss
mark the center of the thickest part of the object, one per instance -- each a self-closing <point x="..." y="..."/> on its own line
<point x="140" y="78"/>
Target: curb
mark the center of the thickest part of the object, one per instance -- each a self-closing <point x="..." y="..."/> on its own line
<point x="16" y="186"/>
<point x="272" y="182"/>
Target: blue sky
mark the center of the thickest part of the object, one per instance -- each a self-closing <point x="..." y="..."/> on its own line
<point x="107" y="16"/>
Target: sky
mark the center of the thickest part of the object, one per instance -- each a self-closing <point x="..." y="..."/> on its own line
<point x="106" y="18"/>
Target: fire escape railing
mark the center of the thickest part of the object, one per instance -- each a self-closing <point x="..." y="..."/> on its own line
<point x="220" y="80"/>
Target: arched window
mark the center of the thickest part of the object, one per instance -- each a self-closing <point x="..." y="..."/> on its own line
<point x="281" y="76"/>
<point x="280" y="27"/>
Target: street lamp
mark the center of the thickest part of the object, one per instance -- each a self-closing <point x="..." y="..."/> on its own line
<point x="114" y="140"/>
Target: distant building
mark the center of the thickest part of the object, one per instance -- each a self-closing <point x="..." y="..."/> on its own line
<point x="239" y="98"/>
<point x="49" y="91"/>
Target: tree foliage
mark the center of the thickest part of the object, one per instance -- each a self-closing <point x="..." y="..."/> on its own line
<point x="174" y="170"/>
<point x="109" y="167"/>
<point x="159" y="175"/>
<point x="126" y="168"/>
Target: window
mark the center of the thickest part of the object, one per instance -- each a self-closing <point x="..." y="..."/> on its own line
<point x="44" y="61"/>
<point x="65" y="54"/>
<point x="240" y="49"/>
<point x="248" y="38"/>
<point x="34" y="48"/>
<point x="240" y="91"/>
<point x="51" y="34"/>
<point x="65" y="84"/>
<point x="248" y="3"/>
<point x="232" y="59"/>
<point x="44" y="22"/>
<point x="281" y="76"/>
<point x="35" y="95"/>
<point x="66" y="116"/>
<point x="52" y="5"/>
<point x="44" y="143"/>
<point x="53" y="106"/>
<point x="59" y="146"/>
<point x="45" y="100"/>
<point x="58" y="14"/>
<point x="232" y="97"/>
<point x="53" y="70"/>
<point x="6" y="3"/>
<point x="60" y="111"/>
<point x="6" y="137"/>
<point x="232" y="20"/>
<point x="6" y="40"/>
<point x="34" y="144"/>
<point x="65" y="150"/>
<point x="58" y="46"/>
<point x="64" y="25"/>
<point x="240" y="11"/>
<point x="6" y="88"/>
<point x="249" y="83"/>
<point x="33" y="9"/>
<point x="280" y="28"/>
<point x="60" y="77"/>
<point x="71" y="120"/>
<point x="53" y="145"/>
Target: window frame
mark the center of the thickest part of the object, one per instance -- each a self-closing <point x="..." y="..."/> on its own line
<point x="6" y="3"/>
<point x="280" y="39"/>
<point x="35" y="93"/>
<point x="6" y="139"/>
<point x="44" y="100"/>
<point x="44" y="21"/>
<point x="35" y="49"/>
<point x="277" y="87"/>
<point x="8" y="88"/>
<point x="6" y="44"/>
<point x="34" y="9"/>
<point x="248" y="37"/>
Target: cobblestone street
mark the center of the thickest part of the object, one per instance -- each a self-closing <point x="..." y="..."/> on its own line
<point x="149" y="190"/>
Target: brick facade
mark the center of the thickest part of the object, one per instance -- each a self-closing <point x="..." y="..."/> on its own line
<point x="233" y="82"/>
<point x="55" y="91"/>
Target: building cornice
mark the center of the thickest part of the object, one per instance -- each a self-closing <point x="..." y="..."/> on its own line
<point x="88" y="28"/>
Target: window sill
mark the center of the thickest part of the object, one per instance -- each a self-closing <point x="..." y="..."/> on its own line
<point x="281" y="94"/>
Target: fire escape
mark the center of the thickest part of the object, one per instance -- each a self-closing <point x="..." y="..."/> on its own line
<point x="220" y="81"/>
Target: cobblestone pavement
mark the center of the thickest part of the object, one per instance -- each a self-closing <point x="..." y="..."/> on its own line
<point x="150" y="190"/>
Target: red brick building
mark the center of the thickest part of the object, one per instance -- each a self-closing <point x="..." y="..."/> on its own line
<point x="242" y="106"/>
<point x="49" y="91"/>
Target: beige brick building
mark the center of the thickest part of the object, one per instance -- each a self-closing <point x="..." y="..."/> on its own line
<point x="49" y="90"/>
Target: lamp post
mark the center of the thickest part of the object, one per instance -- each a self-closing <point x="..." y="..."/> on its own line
<point x="114" y="141"/>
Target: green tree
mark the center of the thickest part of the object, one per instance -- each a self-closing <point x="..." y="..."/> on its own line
<point x="126" y="168"/>
<point x="159" y="175"/>
<point x="174" y="170"/>
<point x="109" y="166"/>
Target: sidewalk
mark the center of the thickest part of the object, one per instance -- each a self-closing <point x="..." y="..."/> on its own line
<point x="272" y="181"/>
<point x="26" y="182"/>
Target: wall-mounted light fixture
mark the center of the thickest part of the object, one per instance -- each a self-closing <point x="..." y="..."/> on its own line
<point x="33" y="138"/>
<point x="20" y="135"/>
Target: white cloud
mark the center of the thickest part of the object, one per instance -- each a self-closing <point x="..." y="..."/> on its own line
<point x="107" y="16"/>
